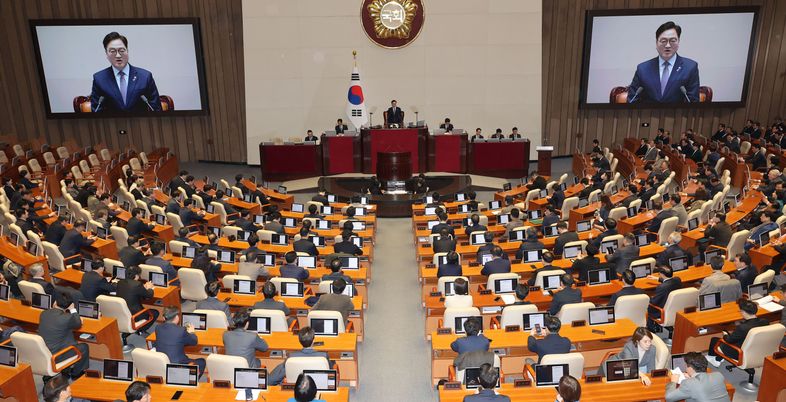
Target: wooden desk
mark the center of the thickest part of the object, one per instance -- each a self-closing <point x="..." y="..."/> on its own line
<point x="16" y="383"/>
<point x="772" y="387"/>
<point x="96" y="389"/>
<point x="22" y="257"/>
<point x="238" y="245"/>
<point x="290" y="161"/>
<point x="106" y="345"/>
<point x="162" y="297"/>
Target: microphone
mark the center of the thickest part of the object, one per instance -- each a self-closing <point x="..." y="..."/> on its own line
<point x="685" y="93"/>
<point x="144" y="99"/>
<point x="100" y="101"/>
<point x="636" y="95"/>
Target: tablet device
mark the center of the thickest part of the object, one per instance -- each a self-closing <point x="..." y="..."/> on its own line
<point x="601" y="315"/>
<point x="507" y="285"/>
<point x="551" y="282"/>
<point x="709" y="301"/>
<point x="119" y="370"/>
<point x="197" y="320"/>
<point x="622" y="370"/>
<point x="87" y="309"/>
<point x="7" y="356"/>
<point x="259" y="324"/>
<point x="250" y="378"/>
<point x="159" y="279"/>
<point x="244" y="287"/>
<point x="182" y="375"/>
<point x="326" y="380"/>
<point x="548" y="375"/>
<point x="41" y="301"/>
<point x="291" y="289"/>
<point x="324" y="326"/>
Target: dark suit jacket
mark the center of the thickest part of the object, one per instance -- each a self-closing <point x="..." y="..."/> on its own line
<point x="57" y="328"/>
<point x="563" y="239"/>
<point x="305" y="246"/>
<point x="449" y="270"/>
<point x="347" y="247"/>
<point x="539" y="183"/>
<point x="741" y="330"/>
<point x="683" y="72"/>
<point x="496" y="266"/>
<point x="188" y="216"/>
<point x="94" y="285"/>
<point x="136" y="227"/>
<point x="335" y="302"/>
<point x="72" y="242"/>
<point x="48" y="287"/>
<point x="550" y="344"/>
<point x="395" y="116"/>
<point x="662" y="291"/>
<point x="486" y="395"/>
<point x="130" y="256"/>
<point x="271" y="304"/>
<point x="438" y="227"/>
<point x="584" y="265"/>
<point x="758" y="160"/>
<point x="173" y="206"/>
<point x="172" y="339"/>
<point x="246" y="225"/>
<point x="133" y="293"/>
<point x="625" y="291"/>
<point x="623" y="257"/>
<point x="671" y="251"/>
<point x="239" y="342"/>
<point x="550" y="220"/>
<point x="659" y="218"/>
<point x="563" y="297"/>
<point x="746" y="277"/>
<point x="340" y="129"/>
<point x="719" y="235"/>
<point x="557" y="198"/>
<point x="293" y="271"/>
<point x="529" y="245"/>
<point x="470" y="344"/>
<point x="443" y="245"/>
<point x="54" y="233"/>
<point x="165" y="266"/>
<point x="140" y="82"/>
<point x="475" y="228"/>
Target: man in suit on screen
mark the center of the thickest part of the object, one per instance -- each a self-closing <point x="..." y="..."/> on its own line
<point x="123" y="87"/>
<point x="668" y="78"/>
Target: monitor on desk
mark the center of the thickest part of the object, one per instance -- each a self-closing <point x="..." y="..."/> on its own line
<point x="41" y="301"/>
<point x="189" y="252"/>
<point x="548" y="375"/>
<point x="159" y="279"/>
<point x="550" y="231"/>
<point x="243" y="235"/>
<point x="226" y="256"/>
<point x="4" y="291"/>
<point x="507" y="285"/>
<point x="642" y="240"/>
<point x="13" y="238"/>
<point x="101" y="232"/>
<point x="7" y="356"/>
<point x="614" y="190"/>
<point x="599" y="276"/>
<point x="289" y="222"/>
<point x="532" y="319"/>
<point x="503" y="219"/>
<point x="197" y="320"/>
<point x="182" y="375"/>
<point x="87" y="309"/>
<point x="259" y="219"/>
<point x="326" y="380"/>
<point x="210" y="208"/>
<point x="247" y="197"/>
<point x="250" y="378"/>
<point x="118" y="272"/>
<point x="459" y="322"/>
<point x="543" y="193"/>
<point x="601" y="315"/>
<point x="478" y="238"/>
<point x="291" y="289"/>
<point x="726" y="207"/>
<point x="507" y="187"/>
<point x="119" y="370"/>
<point x="326" y="210"/>
<point x="279" y="239"/>
<point x="609" y="247"/>
<point x="757" y="291"/>
<point x="472" y="378"/>
<point x="693" y="223"/>
<point x="268" y="260"/>
<point x="330" y="197"/>
<point x="486" y="257"/>
<point x="495" y="205"/>
<point x="517" y="235"/>
<point x="450" y="288"/>
<point x="464" y="208"/>
<point x="324" y="326"/>
<point x="260" y="325"/>
<point x="534" y="214"/>
<point x="641" y="270"/>
<point x="714" y="252"/>
<point x="533" y="256"/>
<point x="318" y="241"/>
<point x="551" y="282"/>
<point x="632" y="211"/>
<point x="678" y="264"/>
<point x="709" y="301"/>
<point x="764" y="239"/>
<point x="244" y="287"/>
<point x="648" y="205"/>
<point x="350" y="262"/>
<point x="307" y="261"/>
<point x="564" y="186"/>
<point x="160" y="219"/>
<point x="430" y="211"/>
<point x="296" y="207"/>
<point x="571" y="251"/>
<point x="215" y="230"/>
<point x="622" y="370"/>
<point x="322" y="224"/>
<point x="678" y="361"/>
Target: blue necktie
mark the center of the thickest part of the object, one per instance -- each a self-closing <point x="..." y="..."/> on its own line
<point x="123" y="85"/>
<point x="664" y="78"/>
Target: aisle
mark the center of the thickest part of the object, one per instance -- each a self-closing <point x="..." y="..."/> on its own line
<point x="394" y="357"/>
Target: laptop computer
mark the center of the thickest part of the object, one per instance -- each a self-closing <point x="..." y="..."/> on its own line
<point x="4" y="292"/>
<point x="713" y="252"/>
<point x="326" y="380"/>
<point x="599" y="276"/>
<point x="159" y="279"/>
<point x="478" y="238"/>
<point x="571" y="252"/>
<point x="307" y="261"/>
<point x="641" y="270"/>
<point x="41" y="301"/>
<point x="87" y="309"/>
<point x="182" y="375"/>
<point x="532" y="319"/>
<point x="197" y="320"/>
<point x="495" y="205"/>
<point x="609" y="247"/>
<point x="534" y="214"/>
<point x="601" y="315"/>
<point x="622" y="370"/>
<point x="709" y="301"/>
<point x="118" y="272"/>
<point x="517" y="235"/>
<point x="244" y="287"/>
<point x="189" y="252"/>
<point x="757" y="291"/>
<point x="279" y="239"/>
<point x="226" y="256"/>
<point x="8" y="356"/>
<point x="550" y="231"/>
<point x="118" y="370"/>
<point x="678" y="264"/>
<point x="265" y="259"/>
<point x="693" y="223"/>
<point x="324" y="326"/>
<point x="503" y="219"/>
<point x="250" y="378"/>
<point x="548" y="375"/>
<point x="350" y="262"/>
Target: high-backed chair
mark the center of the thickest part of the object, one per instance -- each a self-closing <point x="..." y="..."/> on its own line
<point x="758" y="344"/>
<point x="32" y="350"/>
<point x="736" y="244"/>
<point x="618" y="213"/>
<point x="149" y="363"/>
<point x="192" y="284"/>
<point x="329" y="314"/>
<point x="567" y="205"/>
<point x="667" y="227"/>
<point x="575" y="312"/>
<point x="575" y="362"/>
<point x="514" y="315"/>
<point x="120" y="235"/>
<point x="278" y="320"/>
<point x="36" y="239"/>
<point x="677" y="301"/>
<point x="53" y="256"/>
<point x="127" y="323"/>
<point x="661" y="352"/>
<point x="28" y="288"/>
<point x="215" y="318"/>
<point x="295" y="366"/>
<point x="222" y="367"/>
<point x="632" y="307"/>
<point x="176" y="247"/>
<point x="449" y="318"/>
<point x="764" y="277"/>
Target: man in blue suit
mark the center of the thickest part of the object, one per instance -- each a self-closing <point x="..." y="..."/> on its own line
<point x="172" y="339"/>
<point x="121" y="87"/>
<point x="474" y="340"/>
<point x="664" y="78"/>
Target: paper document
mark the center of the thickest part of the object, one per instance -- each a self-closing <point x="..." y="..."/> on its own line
<point x="241" y="395"/>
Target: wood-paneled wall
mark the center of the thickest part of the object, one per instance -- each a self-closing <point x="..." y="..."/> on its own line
<point x="220" y="135"/>
<point x="568" y="127"/>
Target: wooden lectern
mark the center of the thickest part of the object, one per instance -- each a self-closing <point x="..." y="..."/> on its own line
<point x="544" y="159"/>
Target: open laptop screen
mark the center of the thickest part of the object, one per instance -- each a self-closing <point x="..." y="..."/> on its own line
<point x="622" y="370"/>
<point x="549" y="374"/>
<point x="121" y="370"/>
<point x="181" y="374"/>
<point x="250" y="378"/>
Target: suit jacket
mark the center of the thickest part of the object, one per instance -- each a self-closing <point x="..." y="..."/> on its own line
<point x="240" y="342"/>
<point x="719" y="235"/>
<point x="347" y="247"/>
<point x="275" y="227"/>
<point x="341" y="128"/>
<point x="746" y="277"/>
<point x="682" y="72"/>
<point x="440" y="245"/>
<point x="165" y="265"/>
<point x="172" y="339"/>
<point x="173" y="206"/>
<point x="662" y="291"/>
<point x="549" y="220"/>
<point x="57" y="328"/>
<point x="395" y="115"/>
<point x="623" y="257"/>
<point x="673" y="250"/>
<point x="55" y="233"/>
<point x="475" y="228"/>
<point x="539" y="183"/>
<point x="94" y="285"/>
<point x="563" y="239"/>
<point x="48" y="287"/>
<point x="659" y="218"/>
<point x="133" y="293"/>
<point x="449" y="270"/>
<point x="211" y="303"/>
<point x="246" y="225"/>
<point x="704" y="387"/>
<point x="529" y="245"/>
<point x="486" y="395"/>
<point x="335" y="302"/>
<point x="550" y="344"/>
<point x="271" y="304"/>
<point x="625" y="291"/>
<point x="758" y="160"/>
<point x="584" y="265"/>
<point x="140" y="82"/>
<point x="278" y="373"/>
<point x="563" y="297"/>
<point x="496" y="266"/>
<point x="188" y="216"/>
<point x="136" y="227"/>
<point x="293" y="271"/>
<point x="438" y="227"/>
<point x="72" y="242"/>
<point x="305" y="246"/>
<point x="631" y="351"/>
<point x="130" y="256"/>
<point x="557" y="198"/>
<point x="470" y="344"/>
<point x="681" y="213"/>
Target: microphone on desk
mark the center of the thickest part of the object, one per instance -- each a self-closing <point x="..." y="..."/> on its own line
<point x="100" y="101"/>
<point x="685" y="93"/>
<point x="636" y="95"/>
<point x="149" y="106"/>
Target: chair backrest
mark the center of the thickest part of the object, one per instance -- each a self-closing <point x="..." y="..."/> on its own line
<point x="32" y="350"/>
<point x="215" y="318"/>
<point x="540" y="275"/>
<point x="28" y="288"/>
<point x="329" y="314"/>
<point x="227" y="231"/>
<point x="278" y="320"/>
<point x="35" y="238"/>
<point x="582" y="243"/>
<point x="567" y="205"/>
<point x="649" y="260"/>
<point x="662" y="352"/>
<point x="575" y="362"/>
<point x="276" y="281"/>
<point x="176" y="247"/>
<point x="149" y="363"/>
<point x="719" y="165"/>
<point x="514" y="314"/>
<point x="147" y="269"/>
<point x="49" y="158"/>
<point x="120" y="235"/>
<point x="228" y="281"/>
<point x="446" y="279"/>
<point x="618" y="213"/>
<point x="449" y="318"/>
<point x="495" y="277"/>
<point x="93" y="158"/>
<point x="116" y="307"/>
<point x="192" y="284"/>
<point x="174" y="220"/>
<point x="737" y="244"/>
<point x="531" y="195"/>
<point x="764" y="277"/>
<point x="135" y="165"/>
<point x="265" y="235"/>
<point x="563" y="178"/>
<point x="632" y="307"/>
<point x="145" y="209"/>
<point x="105" y="154"/>
<point x="295" y="366"/>
<point x="635" y="203"/>
<point x="35" y="167"/>
<point x="16" y="229"/>
<point x="574" y="312"/>
<point x="730" y="289"/>
<point x="667" y="227"/>
<point x="53" y="256"/>
<point x="198" y="201"/>
<point x="237" y="192"/>
<point x="594" y="196"/>
<point x="760" y="343"/>
<point x="222" y="367"/>
<point x="62" y="152"/>
<point x="218" y="208"/>
<point x="678" y="301"/>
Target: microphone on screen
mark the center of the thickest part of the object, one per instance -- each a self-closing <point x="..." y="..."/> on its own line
<point x="636" y="95"/>
<point x="100" y="101"/>
<point x="144" y="99"/>
<point x="685" y="93"/>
